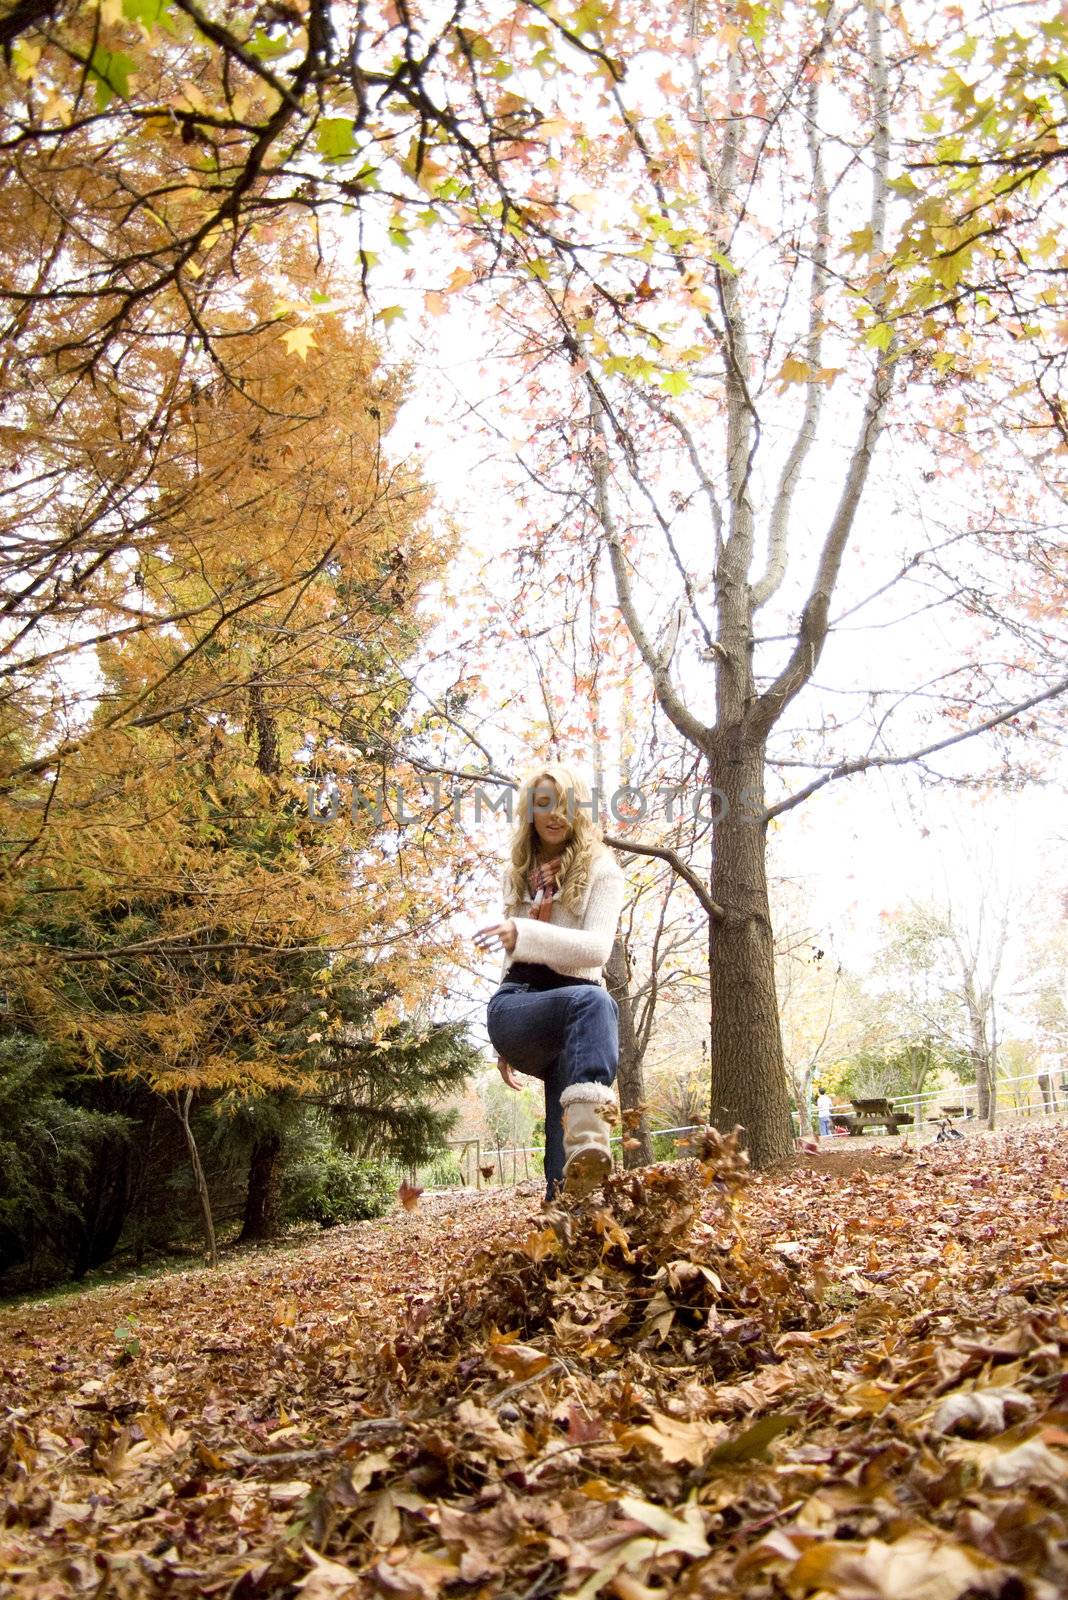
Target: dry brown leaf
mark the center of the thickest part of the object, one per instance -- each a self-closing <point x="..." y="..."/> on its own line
<point x="674" y="1440"/>
<point x="981" y="1411"/>
<point x="327" y="1580"/>
<point x="518" y="1360"/>
<point x="1030" y="1463"/>
<point x="916" y="1567"/>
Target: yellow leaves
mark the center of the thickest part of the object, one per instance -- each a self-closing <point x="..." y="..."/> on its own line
<point x="24" y="60"/>
<point x="796" y="370"/>
<point x="861" y="241"/>
<point x="698" y="295"/>
<point x="298" y="341"/>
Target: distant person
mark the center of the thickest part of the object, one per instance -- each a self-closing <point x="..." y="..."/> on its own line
<point x="551" y="1015"/>
<point x="823" y="1114"/>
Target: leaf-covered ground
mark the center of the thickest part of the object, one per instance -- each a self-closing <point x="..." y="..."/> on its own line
<point x="845" y="1379"/>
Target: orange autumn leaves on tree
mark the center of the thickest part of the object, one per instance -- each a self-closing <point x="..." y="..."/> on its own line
<point x="165" y="884"/>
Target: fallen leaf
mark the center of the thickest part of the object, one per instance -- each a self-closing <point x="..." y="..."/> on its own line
<point x="981" y="1411"/>
<point x="326" y="1580"/>
<point x="676" y="1440"/>
<point x="916" y="1567"/>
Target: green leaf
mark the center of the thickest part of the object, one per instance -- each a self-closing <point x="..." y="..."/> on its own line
<point x="674" y="383"/>
<point x="334" y="138"/>
<point x="880" y="336"/>
<point x="389" y="314"/>
<point x="758" y="25"/>
<point x="111" y="70"/>
<point x="754" y="1441"/>
<point x="264" y="48"/>
<point x="151" y="13"/>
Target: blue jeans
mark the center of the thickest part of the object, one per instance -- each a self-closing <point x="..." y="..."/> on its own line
<point x="562" y="1036"/>
<point x="826" y="1127"/>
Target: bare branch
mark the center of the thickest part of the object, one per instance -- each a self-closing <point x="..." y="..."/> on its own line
<point x="675" y="861"/>
<point x="849" y="769"/>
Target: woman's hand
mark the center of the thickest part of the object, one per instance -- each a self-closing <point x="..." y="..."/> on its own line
<point x="504" y="932"/>
<point x="507" y="1074"/>
<point x="545" y="877"/>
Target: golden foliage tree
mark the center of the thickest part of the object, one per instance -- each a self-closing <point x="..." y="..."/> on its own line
<point x="166" y="886"/>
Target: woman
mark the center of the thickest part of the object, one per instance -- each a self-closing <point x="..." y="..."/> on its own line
<point x="551" y="1015"/>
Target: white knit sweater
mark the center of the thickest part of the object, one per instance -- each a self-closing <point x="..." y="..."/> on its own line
<point x="577" y="947"/>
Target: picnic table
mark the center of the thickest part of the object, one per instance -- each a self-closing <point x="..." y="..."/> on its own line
<point x="875" y="1112"/>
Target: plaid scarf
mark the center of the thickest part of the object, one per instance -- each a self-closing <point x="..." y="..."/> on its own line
<point x="543" y="878"/>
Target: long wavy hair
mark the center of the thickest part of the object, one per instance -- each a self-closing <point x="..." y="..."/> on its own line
<point x="584" y="842"/>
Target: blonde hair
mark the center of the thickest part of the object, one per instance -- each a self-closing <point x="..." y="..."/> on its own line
<point x="582" y="848"/>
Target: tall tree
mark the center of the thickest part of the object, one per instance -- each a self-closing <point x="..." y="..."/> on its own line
<point x="171" y="896"/>
<point x="729" y="310"/>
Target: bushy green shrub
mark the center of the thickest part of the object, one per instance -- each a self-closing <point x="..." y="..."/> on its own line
<point x="330" y="1187"/>
<point x="443" y="1172"/>
<point x="665" y="1147"/>
<point x="49" y="1149"/>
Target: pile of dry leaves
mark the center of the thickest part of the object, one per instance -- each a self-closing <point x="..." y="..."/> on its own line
<point x="847" y="1379"/>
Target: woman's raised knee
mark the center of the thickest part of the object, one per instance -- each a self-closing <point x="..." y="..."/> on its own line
<point x="591" y="998"/>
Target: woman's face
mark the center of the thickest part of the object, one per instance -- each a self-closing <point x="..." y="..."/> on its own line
<point x="550" y="817"/>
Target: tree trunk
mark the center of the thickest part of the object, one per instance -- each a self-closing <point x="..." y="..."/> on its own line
<point x="980" y="1054"/>
<point x="802" y="1093"/>
<point x="748" y="1070"/>
<point x="631" y="1076"/>
<point x="182" y="1106"/>
<point x="920" y="1064"/>
<point x="106" y="1208"/>
<point x="261" y="1198"/>
<point x="992" y="1063"/>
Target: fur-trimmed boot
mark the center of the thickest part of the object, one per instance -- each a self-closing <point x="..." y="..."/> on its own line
<point x="589" y="1111"/>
